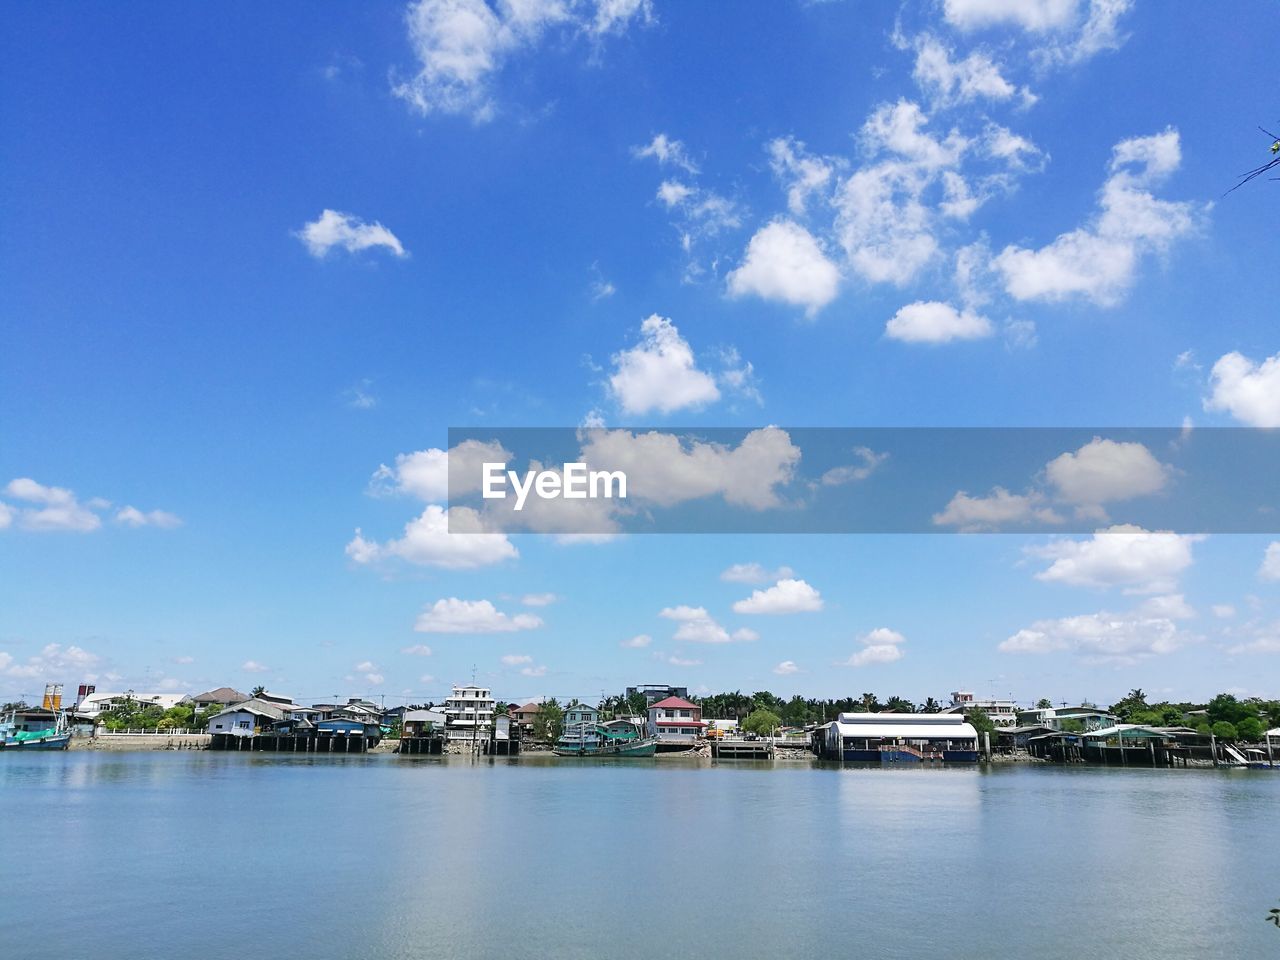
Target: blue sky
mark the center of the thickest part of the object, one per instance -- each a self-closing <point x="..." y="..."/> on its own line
<point x="969" y="212"/>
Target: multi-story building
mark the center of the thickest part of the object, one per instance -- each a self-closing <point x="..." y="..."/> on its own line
<point x="675" y="721"/>
<point x="1003" y="713"/>
<point x="468" y="713"/>
<point x="1083" y="718"/>
<point x="653" y="692"/>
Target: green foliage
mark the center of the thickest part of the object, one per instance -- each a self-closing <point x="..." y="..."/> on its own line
<point x="1250" y="729"/>
<point x="1044" y="703"/>
<point x="900" y="705"/>
<point x="981" y="722"/>
<point x="636" y="704"/>
<point x="1072" y="726"/>
<point x="1225" y="731"/>
<point x="762" y="722"/>
<point x="548" y="722"/>
<point x="258" y="691"/>
<point x="1225" y="707"/>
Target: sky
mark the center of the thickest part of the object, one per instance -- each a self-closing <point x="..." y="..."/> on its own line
<point x="257" y="261"/>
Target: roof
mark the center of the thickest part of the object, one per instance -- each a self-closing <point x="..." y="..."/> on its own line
<point x="914" y="726"/>
<point x="674" y="702"/>
<point x="423" y="716"/>
<point x="529" y="707"/>
<point x="222" y="695"/>
<point x="1124" y="729"/>
<point x="260" y="708"/>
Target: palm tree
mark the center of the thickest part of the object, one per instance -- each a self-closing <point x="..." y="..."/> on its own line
<point x="870" y="704"/>
<point x="900" y="705"/>
<point x="258" y="691"/>
<point x="932" y="706"/>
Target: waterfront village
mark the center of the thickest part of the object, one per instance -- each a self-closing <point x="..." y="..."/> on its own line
<point x="661" y="720"/>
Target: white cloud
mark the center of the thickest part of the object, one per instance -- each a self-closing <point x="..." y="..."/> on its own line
<point x="360" y="396"/>
<point x="1099" y="261"/>
<point x="1124" y="556"/>
<point x="881" y="645"/>
<point x="638" y="642"/>
<point x="851" y="473"/>
<point x="368" y="671"/>
<point x="786" y="668"/>
<point x="785" y="596"/>
<point x="428" y="541"/>
<point x="471" y="616"/>
<point x="253" y="666"/>
<point x="682" y="662"/>
<point x="1266" y="640"/>
<point x="668" y="152"/>
<point x="425" y="474"/>
<point x="6" y="516"/>
<point x="660" y="373"/>
<point x="538" y="671"/>
<point x="1100" y="32"/>
<point x="664" y="470"/>
<point x="684" y="613"/>
<point x="784" y="262"/>
<point x="1270" y="569"/>
<point x="1248" y="391"/>
<point x="800" y="172"/>
<point x="516" y="659"/>
<point x="753" y="573"/>
<point x="133" y="517"/>
<point x="1036" y="16"/>
<point x="1223" y="611"/>
<point x="936" y="322"/>
<point x="1104" y="471"/>
<point x="697" y="626"/>
<point x="673" y="192"/>
<point x="998" y="509"/>
<point x="417" y="650"/>
<point x="462" y="44"/>
<point x="52" y="663"/>
<point x="538" y="599"/>
<point x="56" y="508"/>
<point x="1101" y="637"/>
<point x="335" y="229"/>
<point x="949" y="82"/>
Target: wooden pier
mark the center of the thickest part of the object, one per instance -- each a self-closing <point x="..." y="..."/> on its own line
<point x="291" y="743"/>
<point x="421" y="746"/>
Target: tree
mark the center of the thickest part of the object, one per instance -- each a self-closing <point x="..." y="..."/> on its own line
<point x="1250" y="729"/>
<point x="548" y="722"/>
<point x="637" y="704"/>
<point x="931" y="706"/>
<point x="761" y="722"/>
<point x="870" y="704"/>
<point x="258" y="691"/>
<point x="981" y="722"/>
<point x="1135" y="702"/>
<point x="1224" y="730"/>
<point x="900" y="705"/>
<point x="1226" y="707"/>
<point x="1044" y="703"/>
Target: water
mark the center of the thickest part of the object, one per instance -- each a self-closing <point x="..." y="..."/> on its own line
<point x="225" y="855"/>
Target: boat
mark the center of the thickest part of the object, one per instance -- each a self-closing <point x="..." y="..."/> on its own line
<point x="15" y="736"/>
<point x="616" y="738"/>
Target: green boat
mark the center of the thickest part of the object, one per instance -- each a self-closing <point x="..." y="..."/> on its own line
<point x="615" y="738"/>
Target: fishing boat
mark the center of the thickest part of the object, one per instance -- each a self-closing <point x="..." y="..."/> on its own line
<point x="16" y="731"/>
<point x="616" y="738"/>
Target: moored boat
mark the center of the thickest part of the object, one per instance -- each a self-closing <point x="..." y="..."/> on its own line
<point x="16" y="732"/>
<point x="612" y="739"/>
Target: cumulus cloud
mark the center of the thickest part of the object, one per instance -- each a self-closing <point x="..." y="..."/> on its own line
<point x="1104" y="471"/>
<point x="461" y="45"/>
<point x="538" y="599"/>
<point x="1099" y="261"/>
<point x="785" y="596"/>
<point x="52" y="663"/>
<point x="516" y="659"/>
<point x="869" y="462"/>
<point x="428" y="541"/>
<point x="253" y="666"/>
<point x="471" y="616"/>
<point x="786" y="668"/>
<point x="881" y="645"/>
<point x="785" y="262"/>
<point x="417" y="650"/>
<point x="133" y="517"/>
<point x="663" y="469"/>
<point x="368" y="671"/>
<point x="660" y="373"/>
<point x="1036" y="16"/>
<point x="1068" y="31"/>
<point x="1103" y="637"/>
<point x="1126" y="556"/>
<point x="426" y="474"/>
<point x="998" y="509"/>
<point x="802" y="173"/>
<point x="753" y="573"/>
<point x="698" y="626"/>
<point x="638" y="642"/>
<point x="949" y="81"/>
<point x="335" y="229"/>
<point x="1248" y="391"/>
<point x="1270" y="569"/>
<point x="935" y="322"/>
<point x="52" y="508"/>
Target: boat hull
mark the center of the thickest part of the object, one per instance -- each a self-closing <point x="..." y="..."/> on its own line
<point x="59" y="741"/>
<point x="641" y="749"/>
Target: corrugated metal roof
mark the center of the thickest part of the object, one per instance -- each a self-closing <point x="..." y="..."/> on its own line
<point x="907" y="731"/>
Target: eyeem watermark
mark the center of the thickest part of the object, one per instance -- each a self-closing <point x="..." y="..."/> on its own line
<point x="573" y="482"/>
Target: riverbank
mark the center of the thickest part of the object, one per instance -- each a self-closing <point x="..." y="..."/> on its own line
<point x="119" y="743"/>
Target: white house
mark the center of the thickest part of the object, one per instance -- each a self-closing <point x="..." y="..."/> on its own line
<point x="468" y="713"/>
<point x="1003" y="713"/>
<point x="246" y="719"/>
<point x="98" y="703"/>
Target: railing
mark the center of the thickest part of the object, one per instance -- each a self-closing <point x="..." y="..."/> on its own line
<point x="151" y="732"/>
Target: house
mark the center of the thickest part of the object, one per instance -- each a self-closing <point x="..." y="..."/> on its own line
<point x="580" y="713"/>
<point x="246" y="719"/>
<point x="898" y="737"/>
<point x="653" y="692"/>
<point x="1003" y="713"/>
<point x="222" y="697"/>
<point x="676" y="720"/>
<point x="1083" y="718"/>
<point x="525" y="715"/>
<point x="468" y="713"/>
<point x="95" y="704"/>
<point x="423" y="723"/>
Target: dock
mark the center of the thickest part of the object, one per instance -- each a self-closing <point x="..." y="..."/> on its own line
<point x="741" y="749"/>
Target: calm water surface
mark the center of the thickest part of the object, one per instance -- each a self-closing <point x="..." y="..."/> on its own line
<point x="223" y="855"/>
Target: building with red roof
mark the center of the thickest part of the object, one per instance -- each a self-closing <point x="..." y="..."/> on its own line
<point x="676" y="720"/>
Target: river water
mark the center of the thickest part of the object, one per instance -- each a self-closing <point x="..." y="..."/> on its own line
<point x="209" y="855"/>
